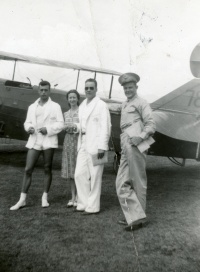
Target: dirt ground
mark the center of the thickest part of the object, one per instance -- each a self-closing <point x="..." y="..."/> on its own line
<point x="58" y="239"/>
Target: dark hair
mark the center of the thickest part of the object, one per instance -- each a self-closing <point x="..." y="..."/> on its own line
<point x="92" y="80"/>
<point x="44" y="83"/>
<point x="75" y="92"/>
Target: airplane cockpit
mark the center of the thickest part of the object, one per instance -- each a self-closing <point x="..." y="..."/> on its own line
<point x="17" y="84"/>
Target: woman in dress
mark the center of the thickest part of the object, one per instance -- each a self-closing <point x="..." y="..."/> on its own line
<point x="69" y="153"/>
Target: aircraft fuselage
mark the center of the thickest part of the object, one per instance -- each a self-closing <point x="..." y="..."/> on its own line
<point x="15" y="97"/>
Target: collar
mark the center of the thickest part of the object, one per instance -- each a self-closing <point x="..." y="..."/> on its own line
<point x="92" y="101"/>
<point x="38" y="100"/>
<point x="130" y="100"/>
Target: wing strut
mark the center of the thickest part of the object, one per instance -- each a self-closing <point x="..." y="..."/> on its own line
<point x="111" y="87"/>
<point x="14" y="70"/>
<point x="77" y="79"/>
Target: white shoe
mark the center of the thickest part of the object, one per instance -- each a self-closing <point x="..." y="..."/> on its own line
<point x="70" y="204"/>
<point x="18" y="205"/>
<point x="45" y="203"/>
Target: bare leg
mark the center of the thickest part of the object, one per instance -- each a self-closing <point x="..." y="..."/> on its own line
<point x="73" y="201"/>
<point x="48" y="159"/>
<point x="73" y="190"/>
<point x="31" y="159"/>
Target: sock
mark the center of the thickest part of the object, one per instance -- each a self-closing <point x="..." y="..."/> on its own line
<point x="20" y="203"/>
<point x="45" y="203"/>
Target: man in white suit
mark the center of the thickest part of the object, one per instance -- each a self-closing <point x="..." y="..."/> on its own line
<point x="94" y="133"/>
<point x="43" y="122"/>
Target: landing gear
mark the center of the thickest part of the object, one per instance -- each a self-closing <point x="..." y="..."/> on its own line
<point x="116" y="162"/>
<point x="2" y="125"/>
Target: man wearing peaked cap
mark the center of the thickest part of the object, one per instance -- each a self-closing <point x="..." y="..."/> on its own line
<point x="128" y="77"/>
<point x="137" y="126"/>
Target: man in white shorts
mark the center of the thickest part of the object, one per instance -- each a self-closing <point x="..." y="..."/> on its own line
<point x="43" y="122"/>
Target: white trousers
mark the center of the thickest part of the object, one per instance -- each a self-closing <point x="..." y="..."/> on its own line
<point x="88" y="179"/>
<point x="131" y="182"/>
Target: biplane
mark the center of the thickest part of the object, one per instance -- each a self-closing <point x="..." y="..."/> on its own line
<point x="177" y="114"/>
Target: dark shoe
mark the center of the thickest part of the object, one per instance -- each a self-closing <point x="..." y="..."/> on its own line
<point x="75" y="210"/>
<point x="136" y="224"/>
<point x="89" y="213"/>
<point x="122" y="222"/>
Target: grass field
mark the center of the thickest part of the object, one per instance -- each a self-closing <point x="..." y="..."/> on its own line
<point x="59" y="239"/>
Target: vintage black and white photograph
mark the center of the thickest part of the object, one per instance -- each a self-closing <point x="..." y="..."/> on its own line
<point x="100" y="136"/>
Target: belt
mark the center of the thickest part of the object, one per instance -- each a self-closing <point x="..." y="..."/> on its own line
<point x="83" y="133"/>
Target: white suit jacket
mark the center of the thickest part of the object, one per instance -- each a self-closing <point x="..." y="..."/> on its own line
<point x="53" y="121"/>
<point x="98" y="126"/>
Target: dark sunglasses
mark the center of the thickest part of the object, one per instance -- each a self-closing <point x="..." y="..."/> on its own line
<point x="89" y="88"/>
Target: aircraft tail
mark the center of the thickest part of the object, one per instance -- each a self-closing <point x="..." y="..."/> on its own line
<point x="177" y="114"/>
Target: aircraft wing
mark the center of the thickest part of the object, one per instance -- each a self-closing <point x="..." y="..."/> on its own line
<point x="177" y="114"/>
<point x="54" y="63"/>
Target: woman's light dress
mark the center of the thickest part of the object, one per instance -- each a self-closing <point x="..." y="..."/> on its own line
<point x="69" y="153"/>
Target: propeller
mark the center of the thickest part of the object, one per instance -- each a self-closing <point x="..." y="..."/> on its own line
<point x="195" y="61"/>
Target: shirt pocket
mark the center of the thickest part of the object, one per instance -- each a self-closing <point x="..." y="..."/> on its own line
<point x="131" y="110"/>
<point x="95" y="118"/>
<point x="52" y="119"/>
<point x="53" y="115"/>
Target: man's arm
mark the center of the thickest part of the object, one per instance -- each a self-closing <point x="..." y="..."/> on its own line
<point x="105" y="130"/>
<point x="28" y="125"/>
<point x="149" y="125"/>
<point x="148" y="121"/>
<point x="57" y="126"/>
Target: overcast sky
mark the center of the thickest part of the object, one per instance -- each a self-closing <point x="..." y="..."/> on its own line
<point x="153" y="38"/>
